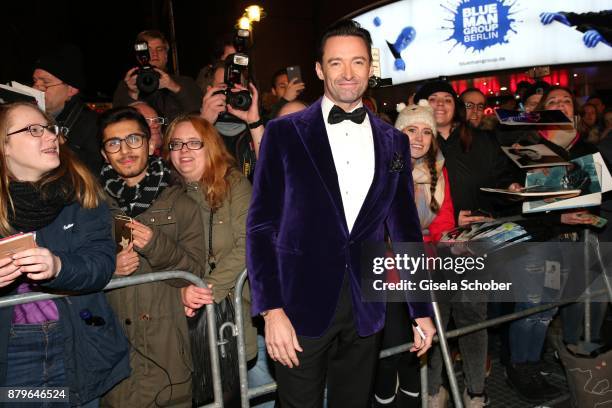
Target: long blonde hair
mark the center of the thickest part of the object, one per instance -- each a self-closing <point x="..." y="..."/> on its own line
<point x="218" y="164"/>
<point x="86" y="189"/>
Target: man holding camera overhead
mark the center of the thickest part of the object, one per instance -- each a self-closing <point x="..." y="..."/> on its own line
<point x="170" y="95"/>
<point x="238" y="122"/>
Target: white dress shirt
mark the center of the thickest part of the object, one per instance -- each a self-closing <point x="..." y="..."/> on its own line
<point x="352" y="147"/>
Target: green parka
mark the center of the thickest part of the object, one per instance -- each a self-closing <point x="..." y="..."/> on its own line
<point x="228" y="246"/>
<point x="153" y="314"/>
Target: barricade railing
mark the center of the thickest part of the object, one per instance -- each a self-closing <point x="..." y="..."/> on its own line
<point x="139" y="280"/>
<point x="247" y="393"/>
<point x="441" y="337"/>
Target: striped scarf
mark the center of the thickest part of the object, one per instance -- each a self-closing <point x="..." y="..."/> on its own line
<point x="137" y="199"/>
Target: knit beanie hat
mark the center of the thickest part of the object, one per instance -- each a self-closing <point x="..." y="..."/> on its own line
<point x="409" y="115"/>
<point x="64" y="62"/>
<point x="537" y="88"/>
<point x="432" y="87"/>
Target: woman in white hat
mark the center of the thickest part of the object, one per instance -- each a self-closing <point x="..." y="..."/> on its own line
<point x="435" y="208"/>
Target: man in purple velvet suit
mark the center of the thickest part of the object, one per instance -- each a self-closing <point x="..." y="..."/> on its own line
<point x="326" y="181"/>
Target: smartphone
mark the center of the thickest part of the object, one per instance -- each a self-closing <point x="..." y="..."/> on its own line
<point x="16" y="243"/>
<point x="123" y="234"/>
<point x="481" y="213"/>
<point x="294" y="72"/>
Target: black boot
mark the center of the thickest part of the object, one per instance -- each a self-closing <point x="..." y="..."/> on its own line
<point x="528" y="382"/>
<point x="407" y="401"/>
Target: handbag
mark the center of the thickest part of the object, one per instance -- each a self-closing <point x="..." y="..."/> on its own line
<point x="198" y="335"/>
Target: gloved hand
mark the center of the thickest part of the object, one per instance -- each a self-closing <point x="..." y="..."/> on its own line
<point x="547" y="18"/>
<point x="592" y="37"/>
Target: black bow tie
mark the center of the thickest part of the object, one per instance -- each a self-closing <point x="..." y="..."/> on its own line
<point x="337" y="115"/>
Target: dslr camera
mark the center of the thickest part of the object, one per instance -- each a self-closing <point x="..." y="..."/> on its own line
<point x="147" y="79"/>
<point x="237" y="73"/>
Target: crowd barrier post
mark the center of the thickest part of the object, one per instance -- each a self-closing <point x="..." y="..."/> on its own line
<point x="242" y="361"/>
<point x="587" y="276"/>
<point x="139" y="280"/>
<point x="448" y="363"/>
<point x="604" y="269"/>
<point x="424" y="381"/>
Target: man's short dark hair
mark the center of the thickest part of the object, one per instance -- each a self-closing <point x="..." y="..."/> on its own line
<point x="121" y="114"/>
<point x="152" y="34"/>
<point x="470" y="90"/>
<point x="346" y="28"/>
<point x="278" y="73"/>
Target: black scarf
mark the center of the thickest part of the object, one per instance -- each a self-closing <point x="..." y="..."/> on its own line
<point x="36" y="206"/>
<point x="137" y="199"/>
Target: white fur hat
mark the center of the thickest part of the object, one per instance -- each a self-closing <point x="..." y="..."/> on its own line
<point x="409" y="115"/>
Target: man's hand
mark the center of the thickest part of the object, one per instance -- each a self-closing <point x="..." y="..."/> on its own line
<point x="130" y="81"/>
<point x="194" y="297"/>
<point x="165" y="81"/>
<point x="466" y="217"/>
<point x="252" y="115"/>
<point x="281" y="340"/>
<point x="8" y="272"/>
<point x="213" y="105"/>
<point x="576" y="218"/>
<point x="38" y="263"/>
<point x="141" y="234"/>
<point x="428" y="328"/>
<point x="127" y="261"/>
<point x="294" y="89"/>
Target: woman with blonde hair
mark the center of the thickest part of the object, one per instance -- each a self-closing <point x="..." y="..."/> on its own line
<point x="75" y="342"/>
<point x="198" y="154"/>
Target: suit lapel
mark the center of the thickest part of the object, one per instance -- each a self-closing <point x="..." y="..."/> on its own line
<point x="311" y="129"/>
<point x="383" y="145"/>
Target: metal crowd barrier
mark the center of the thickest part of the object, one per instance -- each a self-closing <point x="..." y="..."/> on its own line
<point x="148" y="278"/>
<point x="247" y="393"/>
<point x="441" y="337"/>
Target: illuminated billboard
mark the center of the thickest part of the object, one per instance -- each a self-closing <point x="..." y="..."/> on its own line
<point x="421" y="39"/>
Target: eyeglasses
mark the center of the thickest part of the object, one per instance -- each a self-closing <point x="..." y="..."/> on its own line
<point x="43" y="87"/>
<point x="39" y="130"/>
<point x="479" y="106"/>
<point x="191" y="145"/>
<point x="133" y="141"/>
<point x="156" y="121"/>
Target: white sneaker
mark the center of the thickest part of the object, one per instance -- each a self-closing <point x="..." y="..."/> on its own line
<point x="440" y="400"/>
<point x="476" y="402"/>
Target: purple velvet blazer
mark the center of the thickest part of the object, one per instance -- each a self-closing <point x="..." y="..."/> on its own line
<point x="298" y="244"/>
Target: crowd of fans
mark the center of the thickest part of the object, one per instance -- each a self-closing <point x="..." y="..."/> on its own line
<point x="179" y="162"/>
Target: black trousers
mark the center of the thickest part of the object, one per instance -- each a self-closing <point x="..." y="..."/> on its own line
<point x="404" y="366"/>
<point x="340" y="358"/>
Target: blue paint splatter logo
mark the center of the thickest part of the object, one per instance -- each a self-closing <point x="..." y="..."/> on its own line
<point x="478" y="24"/>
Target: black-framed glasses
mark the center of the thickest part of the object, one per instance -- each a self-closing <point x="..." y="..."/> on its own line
<point x="38" y="130"/>
<point x="157" y="121"/>
<point x="477" y="106"/>
<point x="133" y="141"/>
<point x="177" y="145"/>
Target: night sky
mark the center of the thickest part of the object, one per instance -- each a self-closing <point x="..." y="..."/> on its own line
<point x="105" y="31"/>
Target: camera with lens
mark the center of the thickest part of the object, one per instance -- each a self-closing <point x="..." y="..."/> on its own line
<point x="377" y="82"/>
<point x="147" y="79"/>
<point x="236" y="72"/>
